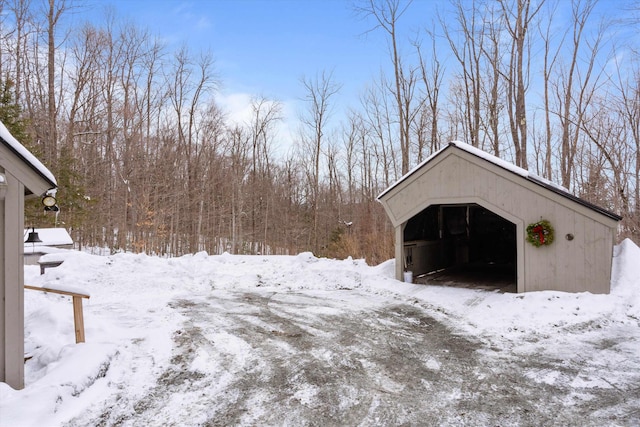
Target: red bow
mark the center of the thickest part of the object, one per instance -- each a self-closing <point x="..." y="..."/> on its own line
<point x="540" y="231"/>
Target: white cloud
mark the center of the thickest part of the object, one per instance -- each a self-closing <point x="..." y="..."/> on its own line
<point x="203" y="23"/>
<point x="237" y="107"/>
<point x="238" y="110"/>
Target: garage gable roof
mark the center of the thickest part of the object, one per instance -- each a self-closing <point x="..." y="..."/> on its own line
<point x="548" y="185"/>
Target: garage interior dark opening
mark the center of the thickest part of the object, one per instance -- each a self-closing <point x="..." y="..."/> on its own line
<point x="461" y="245"/>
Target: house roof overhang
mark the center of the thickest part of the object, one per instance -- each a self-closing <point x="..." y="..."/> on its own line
<point x="36" y="178"/>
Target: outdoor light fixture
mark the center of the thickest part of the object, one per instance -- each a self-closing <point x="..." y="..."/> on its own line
<point x="49" y="203"/>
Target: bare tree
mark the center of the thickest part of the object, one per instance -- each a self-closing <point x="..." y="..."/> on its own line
<point x="265" y="115"/>
<point x="386" y="14"/>
<point x="380" y="131"/>
<point x="549" y="63"/>
<point x="432" y="74"/>
<point x="575" y="87"/>
<point x="21" y="12"/>
<point x="239" y="146"/>
<point x="190" y="81"/>
<point x="412" y="107"/>
<point x="518" y="18"/>
<point x="628" y="106"/>
<point x="492" y="90"/>
<point x="54" y="12"/>
<point x="319" y="94"/>
<point x="469" y="54"/>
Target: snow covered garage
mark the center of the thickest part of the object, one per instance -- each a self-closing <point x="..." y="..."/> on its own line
<point x="465" y="212"/>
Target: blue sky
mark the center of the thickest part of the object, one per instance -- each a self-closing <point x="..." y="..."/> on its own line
<point x="265" y="47"/>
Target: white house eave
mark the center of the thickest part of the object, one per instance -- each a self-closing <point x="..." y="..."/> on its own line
<point x="26" y="155"/>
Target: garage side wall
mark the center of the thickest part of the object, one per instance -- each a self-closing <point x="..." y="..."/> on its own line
<point x="580" y="264"/>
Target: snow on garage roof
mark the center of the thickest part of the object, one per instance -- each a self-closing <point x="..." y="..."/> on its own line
<point x="26" y="155"/>
<point x="549" y="185"/>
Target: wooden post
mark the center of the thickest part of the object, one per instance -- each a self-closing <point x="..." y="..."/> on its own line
<point x="78" y="316"/>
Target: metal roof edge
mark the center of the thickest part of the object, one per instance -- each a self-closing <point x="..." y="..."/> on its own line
<point x="576" y="199"/>
<point x="547" y="185"/>
<point x="499" y="163"/>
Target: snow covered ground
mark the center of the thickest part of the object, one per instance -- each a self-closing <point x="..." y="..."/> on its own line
<point x="297" y="340"/>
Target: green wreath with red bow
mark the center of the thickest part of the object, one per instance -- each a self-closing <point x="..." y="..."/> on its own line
<point x="540" y="233"/>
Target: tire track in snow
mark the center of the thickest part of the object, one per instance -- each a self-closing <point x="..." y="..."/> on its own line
<point x="333" y="358"/>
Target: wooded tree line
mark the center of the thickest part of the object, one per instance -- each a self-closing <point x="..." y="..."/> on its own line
<point x="147" y="161"/>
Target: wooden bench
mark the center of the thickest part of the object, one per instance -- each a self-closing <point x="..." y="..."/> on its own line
<point x="48" y="264"/>
<point x="78" y="317"/>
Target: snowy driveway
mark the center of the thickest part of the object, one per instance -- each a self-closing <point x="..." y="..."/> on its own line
<point x="254" y="341"/>
<point x="344" y="357"/>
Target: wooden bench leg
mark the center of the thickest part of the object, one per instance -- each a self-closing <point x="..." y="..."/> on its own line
<point x="78" y="319"/>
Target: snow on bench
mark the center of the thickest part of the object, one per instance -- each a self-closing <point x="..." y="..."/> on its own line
<point x="52" y="260"/>
<point x="48" y="264"/>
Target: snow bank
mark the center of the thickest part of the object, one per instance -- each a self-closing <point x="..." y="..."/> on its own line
<point x="625" y="276"/>
<point x="130" y="320"/>
<point x="53" y="397"/>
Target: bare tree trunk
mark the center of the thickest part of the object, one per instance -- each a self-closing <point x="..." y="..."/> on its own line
<point x="265" y="114"/>
<point x="189" y="83"/>
<point x="629" y="104"/>
<point x="432" y="80"/>
<point x="517" y="23"/>
<point x="21" y="12"/>
<point x="572" y="101"/>
<point x="53" y="15"/>
<point x="386" y="14"/>
<point x="548" y="68"/>
<point x="320" y="92"/>
<point x="469" y="55"/>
